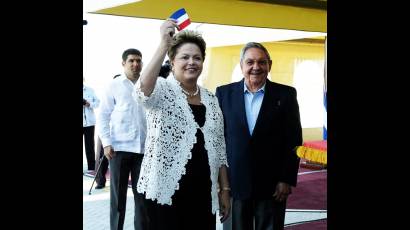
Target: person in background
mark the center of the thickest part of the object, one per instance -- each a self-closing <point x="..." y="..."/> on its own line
<point x="90" y="102"/>
<point x="101" y="179"/>
<point x="184" y="167"/>
<point x="122" y="130"/>
<point x="262" y="132"/>
<point x="165" y="69"/>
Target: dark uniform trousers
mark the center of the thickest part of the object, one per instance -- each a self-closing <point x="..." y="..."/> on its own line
<point x="102" y="163"/>
<point x="256" y="215"/>
<point x="88" y="133"/>
<point x="121" y="166"/>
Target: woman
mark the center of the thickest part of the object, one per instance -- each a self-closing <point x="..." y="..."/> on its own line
<point x="185" y="153"/>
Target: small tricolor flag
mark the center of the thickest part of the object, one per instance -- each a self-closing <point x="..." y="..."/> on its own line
<point x="182" y="18"/>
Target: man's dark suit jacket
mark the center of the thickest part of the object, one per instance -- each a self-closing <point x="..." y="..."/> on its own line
<point x="259" y="161"/>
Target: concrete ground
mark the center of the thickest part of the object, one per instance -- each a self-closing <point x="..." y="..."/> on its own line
<point x="96" y="208"/>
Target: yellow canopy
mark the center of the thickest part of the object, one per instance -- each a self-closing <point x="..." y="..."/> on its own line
<point x="228" y="12"/>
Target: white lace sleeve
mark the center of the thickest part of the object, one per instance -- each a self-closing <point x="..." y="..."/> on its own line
<point x="221" y="150"/>
<point x="154" y="100"/>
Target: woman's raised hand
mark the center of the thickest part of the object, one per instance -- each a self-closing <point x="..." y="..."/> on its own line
<point x="167" y="30"/>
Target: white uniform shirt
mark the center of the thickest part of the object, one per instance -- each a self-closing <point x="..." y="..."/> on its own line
<point x="121" y="120"/>
<point x="88" y="112"/>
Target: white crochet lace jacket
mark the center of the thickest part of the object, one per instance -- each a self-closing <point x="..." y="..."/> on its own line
<point x="171" y="130"/>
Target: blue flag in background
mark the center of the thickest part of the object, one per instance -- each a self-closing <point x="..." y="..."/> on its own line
<point x="325" y="95"/>
<point x="325" y="120"/>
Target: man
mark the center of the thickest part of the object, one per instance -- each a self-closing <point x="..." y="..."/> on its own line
<point x="262" y="130"/>
<point x="103" y="161"/>
<point x="122" y="130"/>
<point x="90" y="102"/>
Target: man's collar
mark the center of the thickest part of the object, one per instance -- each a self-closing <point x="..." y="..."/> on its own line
<point x="124" y="77"/>
<point x="245" y="88"/>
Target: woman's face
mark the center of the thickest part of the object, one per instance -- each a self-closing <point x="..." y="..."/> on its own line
<point x="187" y="64"/>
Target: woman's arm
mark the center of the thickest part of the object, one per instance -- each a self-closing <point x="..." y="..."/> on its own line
<point x="149" y="76"/>
<point x="224" y="196"/>
<point x="223" y="178"/>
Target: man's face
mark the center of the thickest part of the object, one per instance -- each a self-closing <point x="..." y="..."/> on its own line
<point x="133" y="66"/>
<point x="255" y="66"/>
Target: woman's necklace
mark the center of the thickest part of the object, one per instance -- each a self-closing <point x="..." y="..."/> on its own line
<point x="191" y="94"/>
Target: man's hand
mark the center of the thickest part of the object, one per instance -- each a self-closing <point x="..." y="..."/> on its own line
<point x="224" y="205"/>
<point x="109" y="152"/>
<point x="282" y="191"/>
